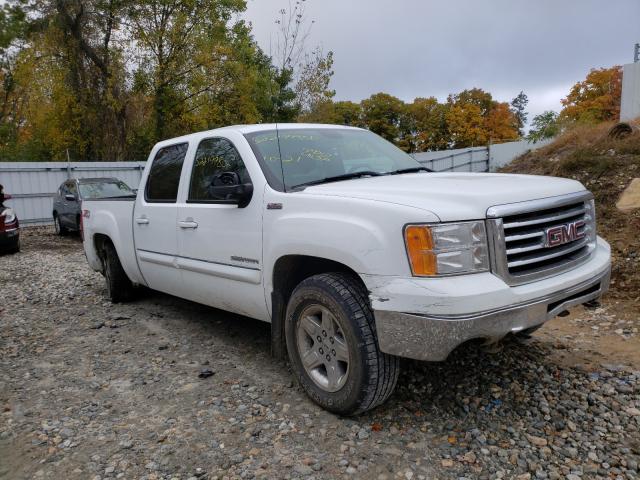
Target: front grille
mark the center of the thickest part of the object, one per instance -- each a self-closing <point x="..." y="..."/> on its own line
<point x="533" y="240"/>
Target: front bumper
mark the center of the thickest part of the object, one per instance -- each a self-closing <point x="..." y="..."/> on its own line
<point x="431" y="327"/>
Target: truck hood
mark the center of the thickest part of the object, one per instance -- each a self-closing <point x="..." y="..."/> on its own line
<point x="450" y="196"/>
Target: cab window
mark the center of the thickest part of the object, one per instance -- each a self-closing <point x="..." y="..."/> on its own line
<point x="217" y="163"/>
<point x="164" y="176"/>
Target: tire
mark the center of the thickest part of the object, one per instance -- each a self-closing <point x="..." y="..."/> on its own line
<point x="119" y="287"/>
<point x="356" y="376"/>
<point x="60" y="229"/>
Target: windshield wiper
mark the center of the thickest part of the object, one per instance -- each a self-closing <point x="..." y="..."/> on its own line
<point x="337" y="178"/>
<point x="411" y="170"/>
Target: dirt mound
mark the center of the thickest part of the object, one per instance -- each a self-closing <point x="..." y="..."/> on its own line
<point x="606" y="166"/>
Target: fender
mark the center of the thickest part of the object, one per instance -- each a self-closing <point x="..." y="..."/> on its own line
<point x="351" y="232"/>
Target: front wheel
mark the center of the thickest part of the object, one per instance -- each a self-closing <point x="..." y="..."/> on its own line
<point x="333" y="348"/>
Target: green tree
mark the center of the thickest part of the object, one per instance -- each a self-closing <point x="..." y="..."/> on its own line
<point x="430" y="129"/>
<point x="348" y="113"/>
<point x="543" y="126"/>
<point x="385" y="115"/>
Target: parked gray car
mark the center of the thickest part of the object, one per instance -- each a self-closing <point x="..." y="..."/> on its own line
<point x="67" y="203"/>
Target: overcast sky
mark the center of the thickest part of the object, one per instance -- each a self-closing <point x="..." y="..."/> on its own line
<point x="421" y="48"/>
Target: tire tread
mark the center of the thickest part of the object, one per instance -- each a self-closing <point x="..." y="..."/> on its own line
<point x="383" y="368"/>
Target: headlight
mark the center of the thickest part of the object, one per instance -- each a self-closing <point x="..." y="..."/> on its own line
<point x="447" y="249"/>
<point x="9" y="215"/>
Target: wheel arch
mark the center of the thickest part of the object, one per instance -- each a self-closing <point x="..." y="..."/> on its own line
<point x="288" y="272"/>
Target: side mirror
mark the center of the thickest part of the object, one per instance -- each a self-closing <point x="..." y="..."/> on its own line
<point x="243" y="194"/>
<point x="70" y="198"/>
<point x="240" y="194"/>
<point x="228" y="187"/>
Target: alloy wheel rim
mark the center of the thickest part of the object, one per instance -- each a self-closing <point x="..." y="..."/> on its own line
<point x="323" y="348"/>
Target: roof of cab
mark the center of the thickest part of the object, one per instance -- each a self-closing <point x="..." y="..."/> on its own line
<point x="260" y="127"/>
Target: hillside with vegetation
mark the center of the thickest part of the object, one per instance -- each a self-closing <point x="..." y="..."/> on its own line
<point x="606" y="166"/>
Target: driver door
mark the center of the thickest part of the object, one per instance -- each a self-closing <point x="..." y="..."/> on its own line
<point x="220" y="241"/>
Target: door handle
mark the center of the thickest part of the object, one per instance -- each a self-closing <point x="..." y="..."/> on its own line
<point x="142" y="221"/>
<point x="188" y="224"/>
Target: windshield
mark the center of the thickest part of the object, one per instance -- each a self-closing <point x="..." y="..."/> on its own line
<point x="113" y="188"/>
<point x="314" y="155"/>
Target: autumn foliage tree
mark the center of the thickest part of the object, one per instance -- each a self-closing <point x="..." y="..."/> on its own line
<point x="596" y="98"/>
<point x="475" y="118"/>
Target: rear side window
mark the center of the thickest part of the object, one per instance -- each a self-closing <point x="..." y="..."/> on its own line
<point x="164" y="176"/>
<point x="217" y="163"/>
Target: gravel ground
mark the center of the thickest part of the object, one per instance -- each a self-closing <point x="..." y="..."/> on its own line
<point x="163" y="388"/>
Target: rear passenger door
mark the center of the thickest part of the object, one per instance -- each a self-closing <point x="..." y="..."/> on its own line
<point x="154" y="220"/>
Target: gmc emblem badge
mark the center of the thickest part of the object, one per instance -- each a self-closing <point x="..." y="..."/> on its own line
<point x="562" y="234"/>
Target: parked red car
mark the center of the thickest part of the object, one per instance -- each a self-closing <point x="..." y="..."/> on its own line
<point x="9" y="227"/>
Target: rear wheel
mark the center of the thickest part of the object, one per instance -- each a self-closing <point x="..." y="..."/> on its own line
<point x="60" y="229"/>
<point x="332" y="345"/>
<point x="119" y="287"/>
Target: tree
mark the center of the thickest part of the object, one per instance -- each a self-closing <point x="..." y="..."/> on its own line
<point x="500" y="124"/>
<point x="430" y="129"/>
<point x="544" y="126"/>
<point x="475" y="96"/>
<point x="105" y="79"/>
<point x="475" y="118"/>
<point x="348" y="113"/>
<point x="519" y="109"/>
<point x="595" y="99"/>
<point x="312" y="86"/>
<point x="385" y="115"/>
<point x="466" y="125"/>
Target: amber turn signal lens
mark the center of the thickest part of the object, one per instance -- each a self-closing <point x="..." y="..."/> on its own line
<point x="419" y="243"/>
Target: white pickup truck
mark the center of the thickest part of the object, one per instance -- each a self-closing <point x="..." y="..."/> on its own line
<point x="353" y="251"/>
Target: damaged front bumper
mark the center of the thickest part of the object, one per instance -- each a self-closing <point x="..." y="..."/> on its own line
<point x="430" y="327"/>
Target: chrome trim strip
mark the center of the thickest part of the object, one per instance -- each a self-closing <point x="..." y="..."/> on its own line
<point x="541" y="204"/>
<point x="178" y="257"/>
<point x="513" y="238"/>
<point x="538" y="221"/>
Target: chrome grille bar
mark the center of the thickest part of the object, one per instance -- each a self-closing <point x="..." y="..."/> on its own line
<point x="572" y="247"/>
<point x="549" y="219"/>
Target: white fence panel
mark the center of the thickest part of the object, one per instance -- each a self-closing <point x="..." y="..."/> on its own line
<point x="473" y="159"/>
<point x="33" y="184"/>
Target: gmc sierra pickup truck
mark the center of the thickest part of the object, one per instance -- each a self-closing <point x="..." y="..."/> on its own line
<point x="353" y="251"/>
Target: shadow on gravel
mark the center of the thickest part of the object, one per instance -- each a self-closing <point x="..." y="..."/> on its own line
<point x="470" y="382"/>
<point x="242" y="333"/>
